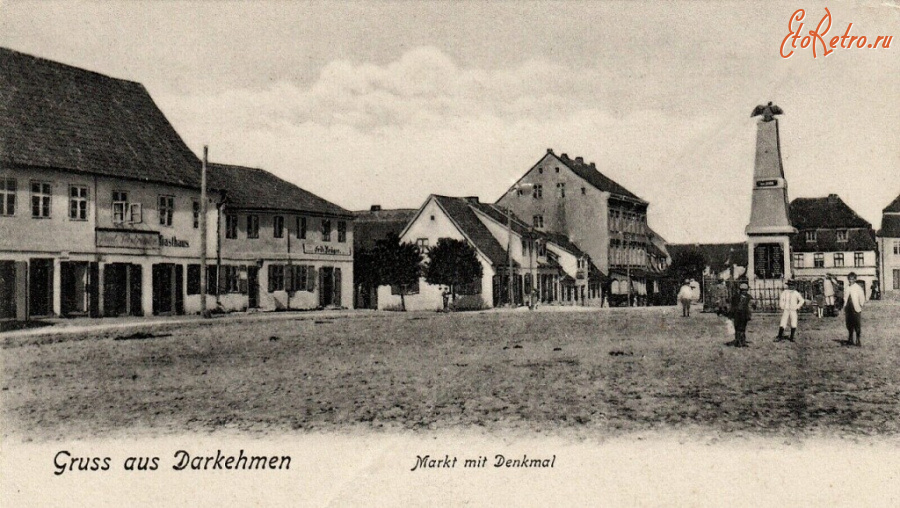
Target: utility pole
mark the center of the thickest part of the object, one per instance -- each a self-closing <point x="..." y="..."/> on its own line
<point x="204" y="282"/>
<point x="290" y="268"/>
<point x="516" y="188"/>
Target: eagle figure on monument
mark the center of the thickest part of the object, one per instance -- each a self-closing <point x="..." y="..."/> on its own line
<point x="768" y="111"/>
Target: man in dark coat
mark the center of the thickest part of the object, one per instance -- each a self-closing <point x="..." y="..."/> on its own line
<point x="740" y="314"/>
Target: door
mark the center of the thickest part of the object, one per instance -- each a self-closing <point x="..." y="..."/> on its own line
<point x="337" y="287"/>
<point x="163" y="287"/>
<point x="115" y="289"/>
<point x="40" y="287"/>
<point x="135" y="305"/>
<point x="326" y="286"/>
<point x="74" y="283"/>
<point x="252" y="286"/>
<point x="7" y="289"/>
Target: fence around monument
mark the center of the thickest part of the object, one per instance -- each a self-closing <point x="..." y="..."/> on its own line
<point x="718" y="294"/>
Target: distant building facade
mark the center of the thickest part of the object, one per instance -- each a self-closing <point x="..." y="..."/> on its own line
<point x="370" y="226"/>
<point x="607" y="221"/>
<point x="889" y="250"/>
<point x="546" y="268"/>
<point x="832" y="239"/>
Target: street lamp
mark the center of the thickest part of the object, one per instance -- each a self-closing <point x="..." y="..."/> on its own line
<point x="516" y="188"/>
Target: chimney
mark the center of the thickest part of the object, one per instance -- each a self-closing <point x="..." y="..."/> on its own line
<point x="832" y="197"/>
<point x="593" y="165"/>
<point x="549" y="150"/>
<point x="564" y="156"/>
<point x="471" y="199"/>
<point x="375" y="208"/>
<point x="579" y="160"/>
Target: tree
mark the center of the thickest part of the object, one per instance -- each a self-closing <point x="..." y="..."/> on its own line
<point x="397" y="264"/>
<point x="451" y="263"/>
<point x="365" y="273"/>
<point x="688" y="264"/>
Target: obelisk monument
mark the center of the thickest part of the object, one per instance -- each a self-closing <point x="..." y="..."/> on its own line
<point x="769" y="232"/>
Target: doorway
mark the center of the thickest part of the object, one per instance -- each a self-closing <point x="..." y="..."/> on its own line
<point x="75" y="288"/>
<point x="122" y="290"/>
<point x="252" y="286"/>
<point x="168" y="289"/>
<point x="40" y="287"/>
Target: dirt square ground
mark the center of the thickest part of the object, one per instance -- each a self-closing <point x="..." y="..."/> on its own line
<point x="595" y="373"/>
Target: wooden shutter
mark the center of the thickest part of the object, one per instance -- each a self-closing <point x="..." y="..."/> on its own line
<point x="337" y="287"/>
<point x="310" y="278"/>
<point x="289" y="278"/>
<point x="94" y="289"/>
<point x="271" y="272"/>
<point x="243" y="280"/>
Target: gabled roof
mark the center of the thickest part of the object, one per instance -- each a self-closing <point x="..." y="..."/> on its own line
<point x="890" y="226"/>
<point x="57" y="116"/>
<point x="824" y="213"/>
<point x="373" y="225"/>
<point x="459" y="211"/>
<point x="256" y="189"/>
<point x="498" y="214"/>
<point x="894" y="207"/>
<point x="589" y="173"/>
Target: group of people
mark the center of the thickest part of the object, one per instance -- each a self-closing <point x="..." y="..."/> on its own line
<point x="790" y="301"/>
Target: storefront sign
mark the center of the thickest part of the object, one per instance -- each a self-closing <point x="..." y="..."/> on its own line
<point x="325" y="250"/>
<point x="173" y="242"/>
<point x="124" y="239"/>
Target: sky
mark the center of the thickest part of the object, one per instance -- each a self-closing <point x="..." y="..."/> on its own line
<point x="388" y="102"/>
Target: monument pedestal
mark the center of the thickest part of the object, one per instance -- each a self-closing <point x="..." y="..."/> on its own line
<point x="769" y="258"/>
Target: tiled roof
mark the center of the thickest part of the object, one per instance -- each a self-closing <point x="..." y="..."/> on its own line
<point x="464" y="217"/>
<point x="826" y="213"/>
<point x="371" y="226"/>
<point x="602" y="182"/>
<point x="256" y="189"/>
<point x="57" y="116"/>
<point x="894" y="206"/>
<point x="890" y="226"/>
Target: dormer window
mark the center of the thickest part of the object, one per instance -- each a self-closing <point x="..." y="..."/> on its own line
<point x="842" y="235"/>
<point x="810" y="236"/>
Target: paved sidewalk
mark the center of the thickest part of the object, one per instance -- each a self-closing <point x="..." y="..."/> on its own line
<point x="80" y="325"/>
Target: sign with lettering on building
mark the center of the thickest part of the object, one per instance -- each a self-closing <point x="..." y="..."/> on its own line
<point x="173" y="242"/>
<point x="326" y="250"/>
<point x="128" y="239"/>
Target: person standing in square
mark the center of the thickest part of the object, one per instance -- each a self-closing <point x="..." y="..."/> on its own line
<point x="853" y="305"/>
<point x="789" y="302"/>
<point x="685" y="295"/>
<point x="740" y="314"/>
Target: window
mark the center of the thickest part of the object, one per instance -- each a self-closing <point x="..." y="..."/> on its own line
<point x="557" y="169"/>
<point x="859" y="259"/>
<point x="40" y="200"/>
<point x="166" y="210"/>
<point x="838" y="259"/>
<point x="422" y="244"/>
<point x="842" y="235"/>
<point x="78" y="201"/>
<point x="193" y="279"/>
<point x="810" y="236"/>
<point x="301" y="228"/>
<point x="7" y="196"/>
<point x="538" y="191"/>
<point x="304" y="278"/>
<point x="819" y="260"/>
<point x="798" y="260"/>
<point x="253" y="226"/>
<point x="583" y="191"/>
<point x="278" y="226"/>
<point x="342" y="231"/>
<point x="196" y="214"/>
<point x="231" y="279"/>
<point x="276" y="278"/>
<point x="896" y="279"/>
<point x="212" y="279"/>
<point x="432" y="217"/>
<point x="561" y="190"/>
<point x="540" y="171"/>
<point x="120" y="207"/>
<point x="538" y="221"/>
<point x="326" y="230"/>
<point x="231" y="225"/>
<point x="897" y="247"/>
<point x="541" y="249"/>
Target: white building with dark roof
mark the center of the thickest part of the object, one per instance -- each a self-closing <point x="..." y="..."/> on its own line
<point x="889" y="250"/>
<point x="100" y="202"/>
<point x="831" y="239"/>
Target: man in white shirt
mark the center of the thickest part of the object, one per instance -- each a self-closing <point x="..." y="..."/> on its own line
<point x="685" y="295"/>
<point x="789" y="302"/>
<point x="853" y="305"/>
<point x="828" y="288"/>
